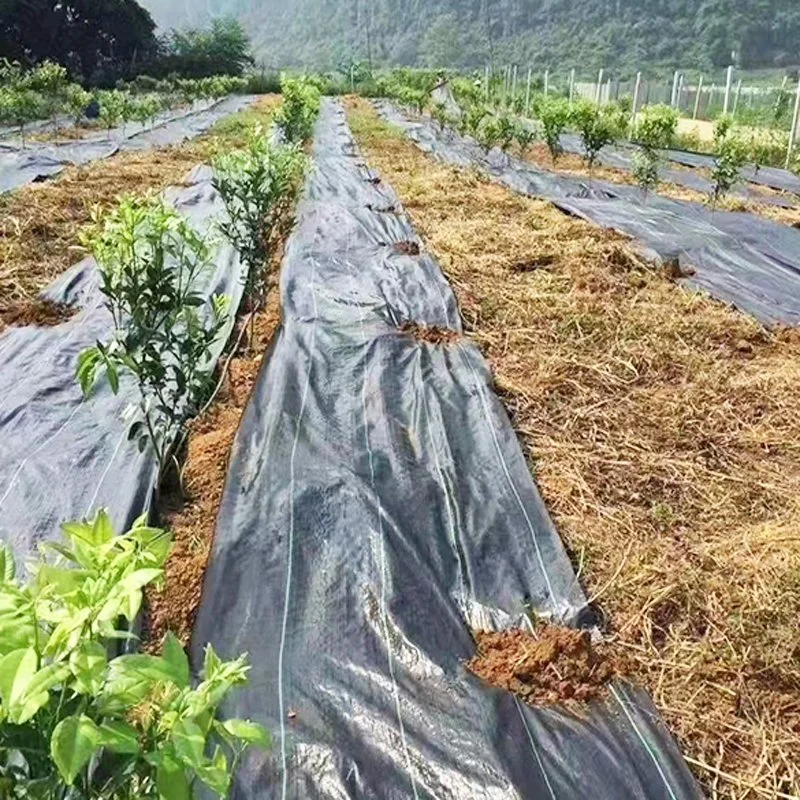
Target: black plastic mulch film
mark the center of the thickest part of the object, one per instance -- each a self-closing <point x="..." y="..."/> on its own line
<point x="378" y="507"/>
<point x="38" y="161"/>
<point x="737" y="257"/>
<point x="64" y="456"/>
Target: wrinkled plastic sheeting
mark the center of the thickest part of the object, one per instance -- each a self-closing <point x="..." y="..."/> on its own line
<point x="39" y="161"/>
<point x="737" y="257"/>
<point x="64" y="456"/>
<point x="377" y="507"/>
<point x="621" y="157"/>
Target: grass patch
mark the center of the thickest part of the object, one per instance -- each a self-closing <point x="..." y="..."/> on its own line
<point x="663" y="430"/>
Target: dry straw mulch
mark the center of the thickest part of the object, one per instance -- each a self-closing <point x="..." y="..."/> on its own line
<point x="664" y="431"/>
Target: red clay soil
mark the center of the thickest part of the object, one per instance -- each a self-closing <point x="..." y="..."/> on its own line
<point x="430" y="333"/>
<point x="551" y="667"/>
<point x="191" y="517"/>
<point x="406" y="248"/>
<point x="35" y="312"/>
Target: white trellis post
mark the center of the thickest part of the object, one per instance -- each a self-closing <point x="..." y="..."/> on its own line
<point x="514" y="84"/>
<point x="728" y="84"/>
<point x="528" y="93"/>
<point x="486" y="79"/>
<point x="793" y="132"/>
<point x="636" y="88"/>
<point x="674" y="91"/>
<point x="599" y="87"/>
<point x="736" y="96"/>
<point x="679" y="95"/>
<point x="697" y="98"/>
<point x="571" y="85"/>
<point x="546" y="82"/>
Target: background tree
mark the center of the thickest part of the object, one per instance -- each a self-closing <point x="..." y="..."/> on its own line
<point x="98" y="42"/>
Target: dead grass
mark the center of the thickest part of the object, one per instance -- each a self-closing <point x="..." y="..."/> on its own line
<point x="572" y="164"/>
<point x="663" y="430"/>
<point x="39" y="224"/>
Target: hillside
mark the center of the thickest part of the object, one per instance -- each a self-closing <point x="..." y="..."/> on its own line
<point x="558" y="34"/>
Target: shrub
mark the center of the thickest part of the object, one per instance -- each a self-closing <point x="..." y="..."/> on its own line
<point x="150" y="262"/>
<point x="506" y="130"/>
<point x="19" y="106"/>
<point x="656" y="127"/>
<point x="113" y="107"/>
<point x="645" y="169"/>
<point x="655" y="130"/>
<point x="299" y="109"/>
<point x="471" y="118"/>
<point x="257" y="185"/>
<point x="525" y="136"/>
<point x="440" y="114"/>
<point x="728" y="162"/>
<point x="488" y="133"/>
<point x="596" y="126"/>
<point x="76" y="101"/>
<point x="554" y="114"/>
<point x="75" y="723"/>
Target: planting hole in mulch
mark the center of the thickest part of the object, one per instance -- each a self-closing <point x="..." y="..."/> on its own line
<point x="44" y="313"/>
<point x="381" y="209"/>
<point x="550" y="667"/>
<point x="532" y="264"/>
<point x="431" y="334"/>
<point x="406" y="248"/>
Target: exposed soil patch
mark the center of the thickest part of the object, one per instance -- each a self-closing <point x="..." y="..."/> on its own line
<point x="40" y="312"/>
<point x="550" y="667"/>
<point x="538" y="262"/>
<point x="663" y="427"/>
<point x="192" y="518"/>
<point x="430" y="333"/>
<point x="390" y="209"/>
<point x="406" y="248"/>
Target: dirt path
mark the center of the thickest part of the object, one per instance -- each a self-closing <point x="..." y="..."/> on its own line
<point x="661" y="427"/>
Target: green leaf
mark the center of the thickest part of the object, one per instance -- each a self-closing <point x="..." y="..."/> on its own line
<point x="250" y="732"/>
<point x="74" y="742"/>
<point x="118" y="737"/>
<point x="175" y="656"/>
<point x="102" y="529"/>
<point x="171" y="781"/>
<point x="216" y="775"/>
<point x="88" y="665"/>
<point x="37" y="693"/>
<point x="16" y="672"/>
<point x="7" y="568"/>
<point x="189" y="743"/>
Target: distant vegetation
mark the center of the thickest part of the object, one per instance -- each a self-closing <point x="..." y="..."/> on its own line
<point x="101" y="43"/>
<point x="556" y="34"/>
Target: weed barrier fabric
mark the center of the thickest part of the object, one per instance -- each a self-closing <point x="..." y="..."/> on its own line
<point x="64" y="456"/>
<point x="378" y="507"/>
<point x="737" y="257"/>
<point x="38" y="161"/>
